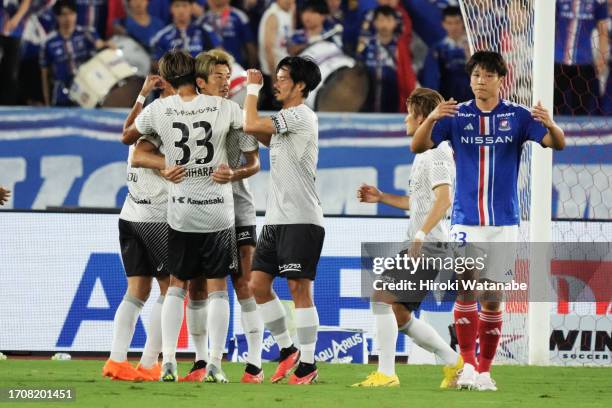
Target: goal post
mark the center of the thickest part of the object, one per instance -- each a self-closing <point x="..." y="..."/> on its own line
<point x="540" y="225"/>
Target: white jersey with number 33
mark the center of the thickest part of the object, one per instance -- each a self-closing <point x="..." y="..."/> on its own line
<point x="194" y="135"/>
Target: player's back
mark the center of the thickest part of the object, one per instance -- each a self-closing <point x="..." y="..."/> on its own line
<point x="429" y="170"/>
<point x="193" y="134"/>
<point x="294" y="153"/>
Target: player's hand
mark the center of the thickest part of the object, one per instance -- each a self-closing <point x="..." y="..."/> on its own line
<point x="4" y="195"/>
<point x="416" y="247"/>
<point x="368" y="194"/>
<point x="444" y="109"/>
<point x="254" y="77"/>
<point x="223" y="174"/>
<point x="174" y="174"/>
<point x="150" y="83"/>
<point x="540" y="113"/>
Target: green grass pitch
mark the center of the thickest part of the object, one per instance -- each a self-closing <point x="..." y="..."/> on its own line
<point x="518" y="387"/>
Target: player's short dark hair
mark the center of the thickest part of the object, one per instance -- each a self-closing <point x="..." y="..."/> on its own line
<point x="303" y="70"/>
<point x="386" y="11"/>
<point x="451" y="11"/>
<point x="316" y="6"/>
<point x="177" y="67"/>
<point x="422" y="101"/>
<point x="488" y="60"/>
<point x="62" y="4"/>
<point x="184" y="1"/>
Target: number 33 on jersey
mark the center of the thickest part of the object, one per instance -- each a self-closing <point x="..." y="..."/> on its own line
<point x="193" y="134"/>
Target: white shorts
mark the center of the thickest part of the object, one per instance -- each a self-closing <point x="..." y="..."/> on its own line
<point x="497" y="244"/>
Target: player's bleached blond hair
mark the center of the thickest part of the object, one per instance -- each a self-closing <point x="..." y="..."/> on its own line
<point x="206" y="61"/>
<point x="422" y="101"/>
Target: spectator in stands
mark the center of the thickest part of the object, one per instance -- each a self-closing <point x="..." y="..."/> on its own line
<point x="348" y="14"/>
<point x="275" y="28"/>
<point x="403" y="27"/>
<point x="232" y="25"/>
<point x="576" y="71"/>
<point x="38" y="23"/>
<point x="444" y="68"/>
<point x="316" y="28"/>
<point x="63" y="51"/>
<point x="183" y="33"/>
<point x="91" y="15"/>
<point x="12" y="15"/>
<point x="138" y="23"/>
<point x="381" y="49"/>
<point x="381" y="58"/>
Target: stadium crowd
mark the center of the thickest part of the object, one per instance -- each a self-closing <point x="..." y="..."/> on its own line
<point x="401" y="43"/>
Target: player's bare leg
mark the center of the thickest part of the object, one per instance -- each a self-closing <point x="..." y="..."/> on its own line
<point x="274" y="317"/>
<point x="172" y="318"/>
<point x="197" y="321"/>
<point x="307" y="325"/>
<point x="117" y="366"/>
<point x="218" y="322"/>
<point x="149" y="365"/>
<point x="251" y="320"/>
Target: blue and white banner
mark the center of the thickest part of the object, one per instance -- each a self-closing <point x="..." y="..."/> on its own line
<point x="73" y="158"/>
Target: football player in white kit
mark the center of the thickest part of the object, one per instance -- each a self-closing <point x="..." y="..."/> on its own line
<point x="143" y="235"/>
<point x="431" y="180"/>
<point x="193" y="133"/>
<point x="292" y="239"/>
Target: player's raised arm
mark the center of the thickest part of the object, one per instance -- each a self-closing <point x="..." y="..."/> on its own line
<point x="130" y="133"/>
<point x="555" y="138"/>
<point x="260" y="127"/>
<point x="421" y="140"/>
<point x="371" y="194"/>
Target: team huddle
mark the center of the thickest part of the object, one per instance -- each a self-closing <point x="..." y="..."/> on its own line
<point x="189" y="218"/>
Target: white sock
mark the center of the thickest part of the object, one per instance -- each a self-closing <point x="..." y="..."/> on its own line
<point x="253" y="326"/>
<point x="307" y="325"/>
<point x="386" y="336"/>
<point x="197" y="316"/>
<point x="172" y="319"/>
<point x="273" y="314"/>
<point x="124" y="326"/>
<point x="218" y="324"/>
<point x="152" y="348"/>
<point x="426" y="337"/>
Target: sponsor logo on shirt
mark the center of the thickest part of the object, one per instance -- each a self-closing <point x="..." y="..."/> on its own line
<point x="486" y="139"/>
<point x="469" y="127"/>
<point x="183" y="112"/>
<point x="193" y="201"/>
